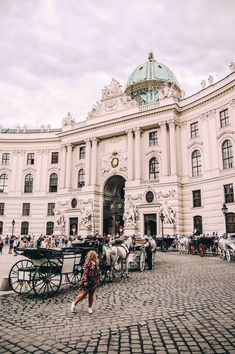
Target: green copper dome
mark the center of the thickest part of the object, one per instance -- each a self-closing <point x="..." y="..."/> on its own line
<point x="150" y="76"/>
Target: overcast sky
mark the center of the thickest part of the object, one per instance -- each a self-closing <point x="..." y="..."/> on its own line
<point x="57" y="55"/>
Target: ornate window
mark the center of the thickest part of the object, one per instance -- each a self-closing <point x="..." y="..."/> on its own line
<point x="227" y="154"/>
<point x="196" y="163"/>
<point x="224" y="118"/>
<point x="50" y="208"/>
<point x="2" y="209"/>
<point x="197" y="202"/>
<point x="197" y="224"/>
<point x="4" y="183"/>
<point x="81" y="178"/>
<point x="153" y="138"/>
<point x="28" y="183"/>
<point x="30" y="158"/>
<point x="82" y="152"/>
<point x="54" y="157"/>
<point x="194" y="131"/>
<point x="53" y="182"/>
<point x="228" y="193"/>
<point x="5" y="158"/>
<point x="1" y="227"/>
<point x="50" y="228"/>
<point x="24" y="228"/>
<point x="26" y="209"/>
<point x="154" y="169"/>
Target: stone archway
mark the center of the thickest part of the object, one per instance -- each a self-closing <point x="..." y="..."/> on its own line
<point x="113" y="204"/>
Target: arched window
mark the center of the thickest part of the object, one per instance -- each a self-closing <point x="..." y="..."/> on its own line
<point x="24" y="228"/>
<point x="81" y="178"/>
<point x="154" y="168"/>
<point x="1" y="227"/>
<point x="197" y="224"/>
<point x="227" y="154"/>
<point x="196" y="163"/>
<point x="50" y="228"/>
<point x="28" y="184"/>
<point x="4" y="183"/>
<point x="53" y="182"/>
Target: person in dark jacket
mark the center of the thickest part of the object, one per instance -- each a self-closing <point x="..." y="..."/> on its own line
<point x="149" y="253"/>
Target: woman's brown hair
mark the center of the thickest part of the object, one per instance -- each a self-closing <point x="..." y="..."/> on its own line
<point x="92" y="256"/>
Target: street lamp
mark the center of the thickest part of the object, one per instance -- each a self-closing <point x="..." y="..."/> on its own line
<point x="224" y="211"/>
<point x="162" y="217"/>
<point x="13" y="225"/>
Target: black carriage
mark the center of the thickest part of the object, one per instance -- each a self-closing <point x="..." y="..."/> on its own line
<point x="164" y="243"/>
<point x="43" y="270"/>
<point x="204" y="244"/>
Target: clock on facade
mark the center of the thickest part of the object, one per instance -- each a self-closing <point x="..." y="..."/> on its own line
<point x="114" y="162"/>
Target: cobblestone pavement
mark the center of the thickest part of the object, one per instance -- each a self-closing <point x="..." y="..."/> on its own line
<point x="185" y="305"/>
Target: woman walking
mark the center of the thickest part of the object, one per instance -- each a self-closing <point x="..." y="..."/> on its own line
<point x="89" y="281"/>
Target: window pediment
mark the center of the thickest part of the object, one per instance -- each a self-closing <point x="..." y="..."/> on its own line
<point x="194" y="144"/>
<point x="225" y="133"/>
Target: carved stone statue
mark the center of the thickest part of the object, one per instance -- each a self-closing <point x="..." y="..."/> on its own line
<point x="85" y="218"/>
<point x="210" y="80"/>
<point x="169" y="215"/>
<point x="203" y="84"/>
<point x="68" y="120"/>
<point x="130" y="216"/>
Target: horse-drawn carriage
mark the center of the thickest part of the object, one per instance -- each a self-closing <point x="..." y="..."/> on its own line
<point x="137" y="256"/>
<point x="203" y="244"/>
<point x="227" y="247"/>
<point x="44" y="270"/>
<point x="164" y="243"/>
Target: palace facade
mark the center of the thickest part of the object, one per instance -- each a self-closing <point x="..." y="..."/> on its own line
<point x="145" y="160"/>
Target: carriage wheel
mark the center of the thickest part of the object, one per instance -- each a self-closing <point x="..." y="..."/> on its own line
<point x="163" y="247"/>
<point x="192" y="249"/>
<point x="47" y="279"/>
<point x="19" y="278"/>
<point x="214" y="250"/>
<point x="201" y="250"/>
<point x="75" y="277"/>
<point x="142" y="261"/>
<point x="228" y="255"/>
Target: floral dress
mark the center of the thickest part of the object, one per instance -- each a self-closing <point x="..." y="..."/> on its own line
<point x="90" y="279"/>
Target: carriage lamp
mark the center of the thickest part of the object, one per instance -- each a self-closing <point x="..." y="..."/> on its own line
<point x="13" y="225"/>
<point x="162" y="217"/>
<point x="224" y="211"/>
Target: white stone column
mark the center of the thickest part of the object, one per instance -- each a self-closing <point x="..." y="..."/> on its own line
<point x="62" y="166"/>
<point x="173" y="156"/>
<point x="205" y="134"/>
<point x="130" y="154"/>
<point x="94" y="161"/>
<point x="183" y="149"/>
<point x="68" y="166"/>
<point x="13" y="163"/>
<point x="45" y="175"/>
<point x="164" y="149"/>
<point x="137" y="153"/>
<point x="88" y="162"/>
<point x="19" y="186"/>
<point x="38" y="169"/>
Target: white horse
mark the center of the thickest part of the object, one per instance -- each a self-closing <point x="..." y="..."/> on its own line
<point x="116" y="256"/>
<point x="183" y="244"/>
<point x="222" y="246"/>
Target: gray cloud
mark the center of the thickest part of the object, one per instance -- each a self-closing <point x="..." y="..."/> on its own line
<point x="57" y="55"/>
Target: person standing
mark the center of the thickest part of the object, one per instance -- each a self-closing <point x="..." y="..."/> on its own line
<point x="149" y="253"/>
<point x="89" y="282"/>
<point x="1" y="244"/>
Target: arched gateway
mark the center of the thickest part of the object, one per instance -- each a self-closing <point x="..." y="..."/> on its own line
<point x="113" y="205"/>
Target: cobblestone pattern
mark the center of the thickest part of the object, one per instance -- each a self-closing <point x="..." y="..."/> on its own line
<point x="185" y="305"/>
